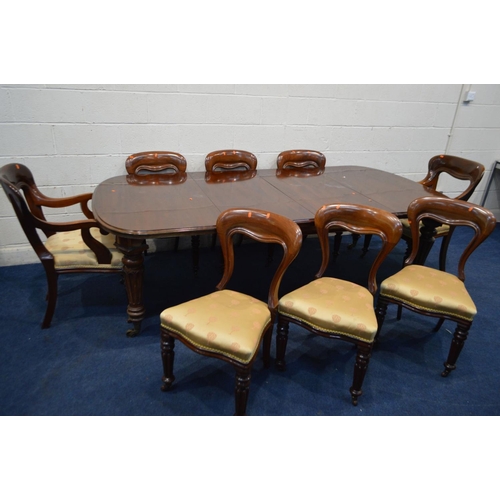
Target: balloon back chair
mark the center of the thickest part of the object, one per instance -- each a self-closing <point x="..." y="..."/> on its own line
<point x="335" y="308"/>
<point x="70" y="247"/>
<point x="227" y="324"/>
<point x="300" y="163"/>
<point x="433" y="292"/>
<point x="161" y="167"/>
<point x="156" y="167"/>
<point x="229" y="165"/>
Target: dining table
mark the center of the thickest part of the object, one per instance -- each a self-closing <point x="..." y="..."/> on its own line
<point x="139" y="207"/>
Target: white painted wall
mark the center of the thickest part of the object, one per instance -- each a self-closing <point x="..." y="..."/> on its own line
<point x="74" y="136"/>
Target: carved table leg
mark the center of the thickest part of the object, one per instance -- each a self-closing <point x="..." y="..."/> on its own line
<point x="133" y="271"/>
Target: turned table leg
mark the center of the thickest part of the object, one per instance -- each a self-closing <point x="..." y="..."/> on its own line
<point x="427" y="233"/>
<point x="133" y="274"/>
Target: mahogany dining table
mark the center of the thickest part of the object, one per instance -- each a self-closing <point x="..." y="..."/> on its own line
<point x="138" y="207"/>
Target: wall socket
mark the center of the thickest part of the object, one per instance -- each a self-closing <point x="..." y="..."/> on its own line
<point x="470" y="96"/>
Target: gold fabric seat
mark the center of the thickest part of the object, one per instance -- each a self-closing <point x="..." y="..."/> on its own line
<point x="435" y="292"/>
<point x="213" y="323"/>
<point x="71" y="252"/>
<point x="430" y="290"/>
<point x="70" y="247"/>
<point x="335" y="308"/>
<point x="227" y="324"/>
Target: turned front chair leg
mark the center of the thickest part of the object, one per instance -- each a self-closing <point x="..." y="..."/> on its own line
<point x="362" y="359"/>
<point x="167" y="358"/>
<point x="241" y="390"/>
<point x="457" y="344"/>
<point x="380" y="312"/>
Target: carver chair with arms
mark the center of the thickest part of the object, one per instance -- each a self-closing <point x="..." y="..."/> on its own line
<point x="227" y="324"/>
<point x="458" y="168"/>
<point x="335" y="308"/>
<point x="434" y="292"/>
<point x="70" y="247"/>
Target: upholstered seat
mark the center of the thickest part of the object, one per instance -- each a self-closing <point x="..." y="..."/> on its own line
<point x="433" y="292"/>
<point x="227" y="324"/>
<point x="71" y="252"/>
<point x="211" y="323"/>
<point x="335" y="308"/>
<point x="70" y="247"/>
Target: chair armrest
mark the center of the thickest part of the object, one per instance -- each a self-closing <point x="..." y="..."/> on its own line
<point x="82" y="199"/>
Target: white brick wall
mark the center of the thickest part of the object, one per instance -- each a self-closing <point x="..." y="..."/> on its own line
<point x="74" y="136"/>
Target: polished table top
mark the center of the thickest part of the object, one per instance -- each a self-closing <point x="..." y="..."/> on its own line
<point x="132" y="208"/>
<point x="135" y="208"/>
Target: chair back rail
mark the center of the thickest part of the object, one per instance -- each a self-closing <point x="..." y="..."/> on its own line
<point x="452" y="212"/>
<point x="264" y="227"/>
<point x="358" y="219"/>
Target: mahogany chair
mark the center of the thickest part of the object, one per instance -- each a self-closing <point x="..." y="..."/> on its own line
<point x="459" y="168"/>
<point x="226" y="324"/>
<point x="300" y="163"/>
<point x="70" y="247"/>
<point x="229" y="165"/>
<point x="161" y="167"/>
<point x="156" y="167"/>
<point x="305" y="163"/>
<point x="336" y="308"/>
<point x="433" y="292"/>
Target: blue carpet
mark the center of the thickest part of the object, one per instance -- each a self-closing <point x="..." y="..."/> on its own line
<point x="85" y="365"/>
